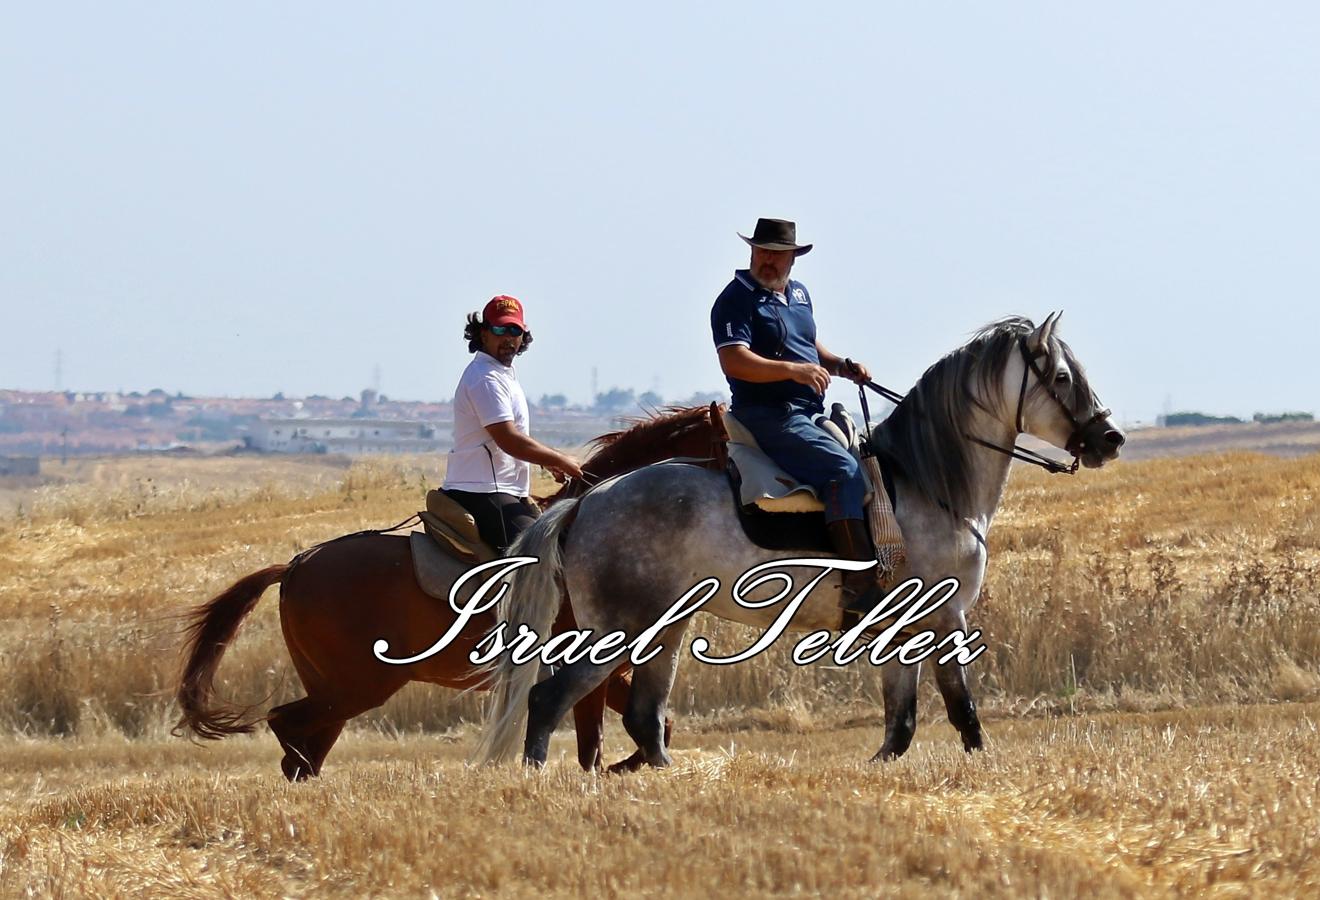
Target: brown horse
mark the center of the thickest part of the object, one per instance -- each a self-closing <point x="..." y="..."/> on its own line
<point x="340" y="596"/>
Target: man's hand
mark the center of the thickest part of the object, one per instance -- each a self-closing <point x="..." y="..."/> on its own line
<point x="855" y="371"/>
<point x="564" y="468"/>
<point x="813" y="376"/>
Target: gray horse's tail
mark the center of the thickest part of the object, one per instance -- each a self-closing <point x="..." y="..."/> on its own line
<point x="533" y="599"/>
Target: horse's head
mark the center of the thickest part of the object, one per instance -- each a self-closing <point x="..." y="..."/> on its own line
<point x="1048" y="388"/>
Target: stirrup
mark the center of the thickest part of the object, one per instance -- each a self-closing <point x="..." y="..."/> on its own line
<point x="860" y="605"/>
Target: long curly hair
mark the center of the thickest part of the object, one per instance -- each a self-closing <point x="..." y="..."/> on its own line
<point x="472" y="334"/>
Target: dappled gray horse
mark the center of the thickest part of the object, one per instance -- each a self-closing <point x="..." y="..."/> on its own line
<point x="640" y="542"/>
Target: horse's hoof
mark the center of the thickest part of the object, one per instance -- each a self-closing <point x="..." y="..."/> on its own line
<point x="885" y="755"/>
<point x="631" y="764"/>
<point x="295" y="770"/>
<point x="536" y="751"/>
<point x="660" y="761"/>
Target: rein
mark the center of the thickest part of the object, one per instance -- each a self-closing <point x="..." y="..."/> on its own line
<point x="1076" y="443"/>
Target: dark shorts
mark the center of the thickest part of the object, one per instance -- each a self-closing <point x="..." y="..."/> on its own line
<point x="500" y="517"/>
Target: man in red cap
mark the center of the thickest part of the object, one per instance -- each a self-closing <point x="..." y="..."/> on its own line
<point x="489" y="471"/>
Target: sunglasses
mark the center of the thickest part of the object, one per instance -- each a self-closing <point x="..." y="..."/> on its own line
<point x="502" y="330"/>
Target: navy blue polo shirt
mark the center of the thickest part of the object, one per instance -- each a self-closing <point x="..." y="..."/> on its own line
<point x="782" y="329"/>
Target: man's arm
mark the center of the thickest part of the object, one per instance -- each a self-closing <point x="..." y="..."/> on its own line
<point x="525" y="447"/>
<point x="741" y="363"/>
<point x="836" y="365"/>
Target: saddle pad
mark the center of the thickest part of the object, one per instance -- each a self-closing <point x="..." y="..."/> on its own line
<point x="769" y="487"/>
<point x="764" y="484"/>
<point x="432" y="567"/>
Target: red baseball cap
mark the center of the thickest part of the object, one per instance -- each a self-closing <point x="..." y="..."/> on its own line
<point x="504" y="310"/>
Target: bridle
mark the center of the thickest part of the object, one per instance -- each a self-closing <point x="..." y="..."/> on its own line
<point x="1075" y="445"/>
<point x="1076" y="442"/>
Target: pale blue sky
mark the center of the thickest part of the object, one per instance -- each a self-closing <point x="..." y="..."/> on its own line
<point x="245" y="198"/>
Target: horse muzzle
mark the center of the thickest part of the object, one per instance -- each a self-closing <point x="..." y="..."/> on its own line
<point x="1097" y="441"/>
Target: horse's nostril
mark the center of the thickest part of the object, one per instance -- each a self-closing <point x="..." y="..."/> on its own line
<point x="1114" y="438"/>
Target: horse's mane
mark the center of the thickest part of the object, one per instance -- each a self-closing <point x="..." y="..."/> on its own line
<point x="924" y="435"/>
<point x="647" y="439"/>
<point x="627" y="447"/>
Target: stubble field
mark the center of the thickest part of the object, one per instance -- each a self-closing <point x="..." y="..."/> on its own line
<point x="1149" y="694"/>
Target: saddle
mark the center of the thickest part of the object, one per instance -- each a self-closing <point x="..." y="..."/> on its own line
<point x="778" y="512"/>
<point x="450" y="533"/>
<point x="454" y="529"/>
<point x="768" y="487"/>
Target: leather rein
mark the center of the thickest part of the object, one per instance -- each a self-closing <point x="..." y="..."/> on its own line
<point x="1076" y="441"/>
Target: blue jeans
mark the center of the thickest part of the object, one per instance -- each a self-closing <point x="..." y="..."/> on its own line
<point x="801" y="448"/>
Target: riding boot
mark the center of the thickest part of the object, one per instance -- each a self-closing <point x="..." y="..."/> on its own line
<point x="861" y="590"/>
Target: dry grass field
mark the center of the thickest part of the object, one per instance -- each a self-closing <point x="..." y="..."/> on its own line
<point x="1150" y="696"/>
<point x="1108" y="805"/>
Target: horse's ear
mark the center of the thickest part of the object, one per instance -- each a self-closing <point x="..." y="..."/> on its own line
<point x="1040" y="338"/>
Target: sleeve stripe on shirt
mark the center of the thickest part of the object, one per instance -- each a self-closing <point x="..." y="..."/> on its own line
<point x="738" y="342"/>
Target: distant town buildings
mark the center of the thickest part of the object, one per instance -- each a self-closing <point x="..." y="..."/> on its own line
<point x="69" y="423"/>
<point x="350" y="436"/>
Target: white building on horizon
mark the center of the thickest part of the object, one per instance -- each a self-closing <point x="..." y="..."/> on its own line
<point x="352" y="437"/>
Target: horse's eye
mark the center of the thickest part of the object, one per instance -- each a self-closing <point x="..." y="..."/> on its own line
<point x="1062" y="377"/>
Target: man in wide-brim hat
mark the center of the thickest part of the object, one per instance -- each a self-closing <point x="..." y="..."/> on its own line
<point x="778" y="371"/>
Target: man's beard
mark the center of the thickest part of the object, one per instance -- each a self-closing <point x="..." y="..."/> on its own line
<point x="503" y="353"/>
<point x="765" y="276"/>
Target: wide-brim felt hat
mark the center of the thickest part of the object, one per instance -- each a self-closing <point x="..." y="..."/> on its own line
<point x="776" y="234"/>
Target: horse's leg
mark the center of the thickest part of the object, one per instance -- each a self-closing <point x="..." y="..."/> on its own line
<point x="344" y="591"/>
<point x="900" y="685"/>
<point x="296" y="726"/>
<point x="589" y="712"/>
<point x="620" y="687"/>
<point x="551" y="699"/>
<point x="589" y="723"/>
<point x="319" y="744"/>
<point x="644" y="719"/>
<point x="952" y="680"/>
<point x="308" y="728"/>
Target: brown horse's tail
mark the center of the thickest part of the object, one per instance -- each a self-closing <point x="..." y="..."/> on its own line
<point x="212" y="626"/>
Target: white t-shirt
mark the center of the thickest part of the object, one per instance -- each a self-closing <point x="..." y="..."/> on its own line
<point x="487" y="393"/>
